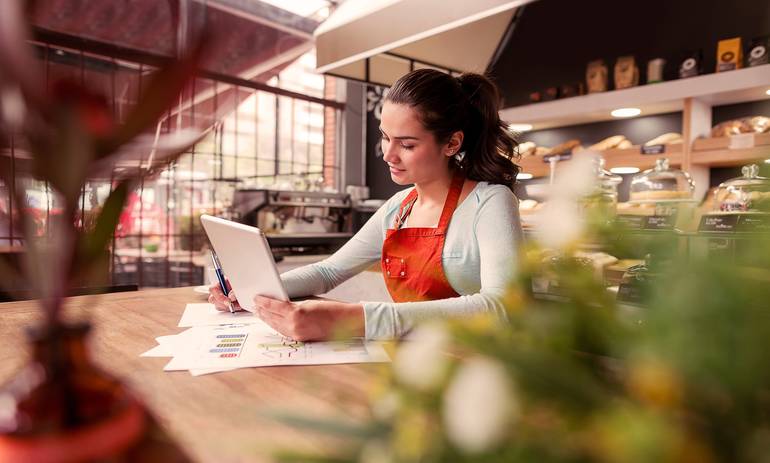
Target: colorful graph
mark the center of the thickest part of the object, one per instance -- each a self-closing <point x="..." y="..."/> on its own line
<point x="283" y="347"/>
<point x="229" y="345"/>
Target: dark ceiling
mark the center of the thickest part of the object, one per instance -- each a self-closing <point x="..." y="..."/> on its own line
<point x="555" y="39"/>
<point x="242" y="34"/>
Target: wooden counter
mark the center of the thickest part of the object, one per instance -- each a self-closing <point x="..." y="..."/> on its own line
<point x="214" y="417"/>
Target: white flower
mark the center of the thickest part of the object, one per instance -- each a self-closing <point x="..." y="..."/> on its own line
<point x="577" y="177"/>
<point x="559" y="223"/>
<point x="420" y="362"/>
<point x="479" y="405"/>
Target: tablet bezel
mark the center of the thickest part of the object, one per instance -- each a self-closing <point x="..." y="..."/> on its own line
<point x="242" y="251"/>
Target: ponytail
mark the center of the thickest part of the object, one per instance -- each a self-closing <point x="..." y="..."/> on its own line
<point x="469" y="103"/>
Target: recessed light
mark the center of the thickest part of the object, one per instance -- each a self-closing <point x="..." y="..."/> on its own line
<point x="624" y="170"/>
<point x="768" y="91"/>
<point x="524" y="176"/>
<point x="520" y="127"/>
<point x="626" y="112"/>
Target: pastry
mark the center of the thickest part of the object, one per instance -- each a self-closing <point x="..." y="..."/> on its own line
<point x="659" y="194"/>
<point x="732" y="127"/>
<point x="607" y="143"/>
<point x="527" y="148"/>
<point x="665" y="139"/>
<point x="759" y="124"/>
<point x="565" y="147"/>
<point x="625" y="144"/>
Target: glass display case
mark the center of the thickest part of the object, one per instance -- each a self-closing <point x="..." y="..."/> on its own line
<point x="603" y="198"/>
<point x="747" y="193"/>
<point x="661" y="198"/>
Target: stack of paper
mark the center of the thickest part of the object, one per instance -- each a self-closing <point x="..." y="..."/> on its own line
<point x="221" y="341"/>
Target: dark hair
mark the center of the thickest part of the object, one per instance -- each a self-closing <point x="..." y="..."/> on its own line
<point x="468" y="103"/>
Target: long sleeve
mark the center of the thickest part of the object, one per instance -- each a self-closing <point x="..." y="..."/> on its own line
<point x="495" y="229"/>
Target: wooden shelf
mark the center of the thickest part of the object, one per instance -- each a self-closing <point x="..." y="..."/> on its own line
<point x="742" y="85"/>
<point x="730" y="158"/>
<point x="716" y="152"/>
<point x="630" y="157"/>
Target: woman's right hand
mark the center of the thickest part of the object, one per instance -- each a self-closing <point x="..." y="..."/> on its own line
<point x="220" y="301"/>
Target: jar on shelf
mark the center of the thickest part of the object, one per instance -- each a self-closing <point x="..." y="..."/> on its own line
<point x="666" y="193"/>
<point x="747" y="193"/>
<point x="604" y="196"/>
<point x="662" y="183"/>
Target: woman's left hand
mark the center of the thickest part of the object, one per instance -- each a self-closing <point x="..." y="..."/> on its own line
<point x="311" y="320"/>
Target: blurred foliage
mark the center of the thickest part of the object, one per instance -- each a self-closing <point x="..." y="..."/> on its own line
<point x="71" y="136"/>
<point x="682" y="377"/>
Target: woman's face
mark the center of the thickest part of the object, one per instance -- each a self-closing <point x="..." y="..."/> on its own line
<point x="410" y="150"/>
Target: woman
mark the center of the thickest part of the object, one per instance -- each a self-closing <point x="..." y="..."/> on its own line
<point x="447" y="247"/>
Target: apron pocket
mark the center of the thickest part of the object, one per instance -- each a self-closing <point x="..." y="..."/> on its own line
<point x="395" y="267"/>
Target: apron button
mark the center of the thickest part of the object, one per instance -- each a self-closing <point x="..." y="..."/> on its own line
<point x="387" y="261"/>
<point x="402" y="273"/>
<point x="402" y="261"/>
<point x="388" y="272"/>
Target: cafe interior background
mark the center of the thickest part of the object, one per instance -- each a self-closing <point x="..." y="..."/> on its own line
<point x="673" y="96"/>
<point x="295" y="151"/>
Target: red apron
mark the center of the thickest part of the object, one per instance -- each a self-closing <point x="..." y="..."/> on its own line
<point x="411" y="257"/>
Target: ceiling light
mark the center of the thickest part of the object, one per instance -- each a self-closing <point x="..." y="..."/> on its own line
<point x="524" y="176"/>
<point x="768" y="91"/>
<point x="624" y="170"/>
<point x="626" y="112"/>
<point x="520" y="127"/>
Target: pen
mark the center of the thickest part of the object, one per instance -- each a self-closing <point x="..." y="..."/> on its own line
<point x="222" y="281"/>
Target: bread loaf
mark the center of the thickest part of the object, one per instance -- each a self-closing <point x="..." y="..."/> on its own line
<point x="565" y="147"/>
<point x="665" y="139"/>
<point x="607" y="143"/>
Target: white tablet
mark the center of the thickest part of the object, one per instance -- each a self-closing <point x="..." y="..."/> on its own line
<point x="246" y="260"/>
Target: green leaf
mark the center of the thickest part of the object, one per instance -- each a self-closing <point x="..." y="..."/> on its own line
<point x="92" y="244"/>
<point x="298" y="457"/>
<point x="329" y="426"/>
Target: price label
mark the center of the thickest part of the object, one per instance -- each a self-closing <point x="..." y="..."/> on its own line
<point x="742" y="141"/>
<point x="633" y="222"/>
<point x="660" y="222"/>
<point x="718" y="223"/>
<point x="654" y="149"/>
<point x="559" y="157"/>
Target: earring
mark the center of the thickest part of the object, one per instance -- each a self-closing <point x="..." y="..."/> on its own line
<point x="459" y="156"/>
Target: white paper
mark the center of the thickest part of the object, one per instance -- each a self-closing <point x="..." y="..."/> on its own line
<point x="166" y="345"/>
<point x="206" y="314"/>
<point x="215" y="347"/>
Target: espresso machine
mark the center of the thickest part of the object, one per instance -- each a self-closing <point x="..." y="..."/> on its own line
<point x="296" y="222"/>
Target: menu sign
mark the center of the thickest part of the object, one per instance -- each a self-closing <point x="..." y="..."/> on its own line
<point x="558" y="157"/>
<point x="735" y="223"/>
<point x="653" y="149"/>
<point x="647" y="222"/>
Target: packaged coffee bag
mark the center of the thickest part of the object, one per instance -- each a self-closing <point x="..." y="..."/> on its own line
<point x="691" y="65"/>
<point x="758" y="52"/>
<point x="626" y="72"/>
<point x="596" y="76"/>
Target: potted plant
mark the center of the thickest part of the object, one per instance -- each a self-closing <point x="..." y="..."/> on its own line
<point x="61" y="407"/>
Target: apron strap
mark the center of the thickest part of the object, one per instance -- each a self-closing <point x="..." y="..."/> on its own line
<point x="451" y="200"/>
<point x="405" y="209"/>
<point x="455" y="188"/>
